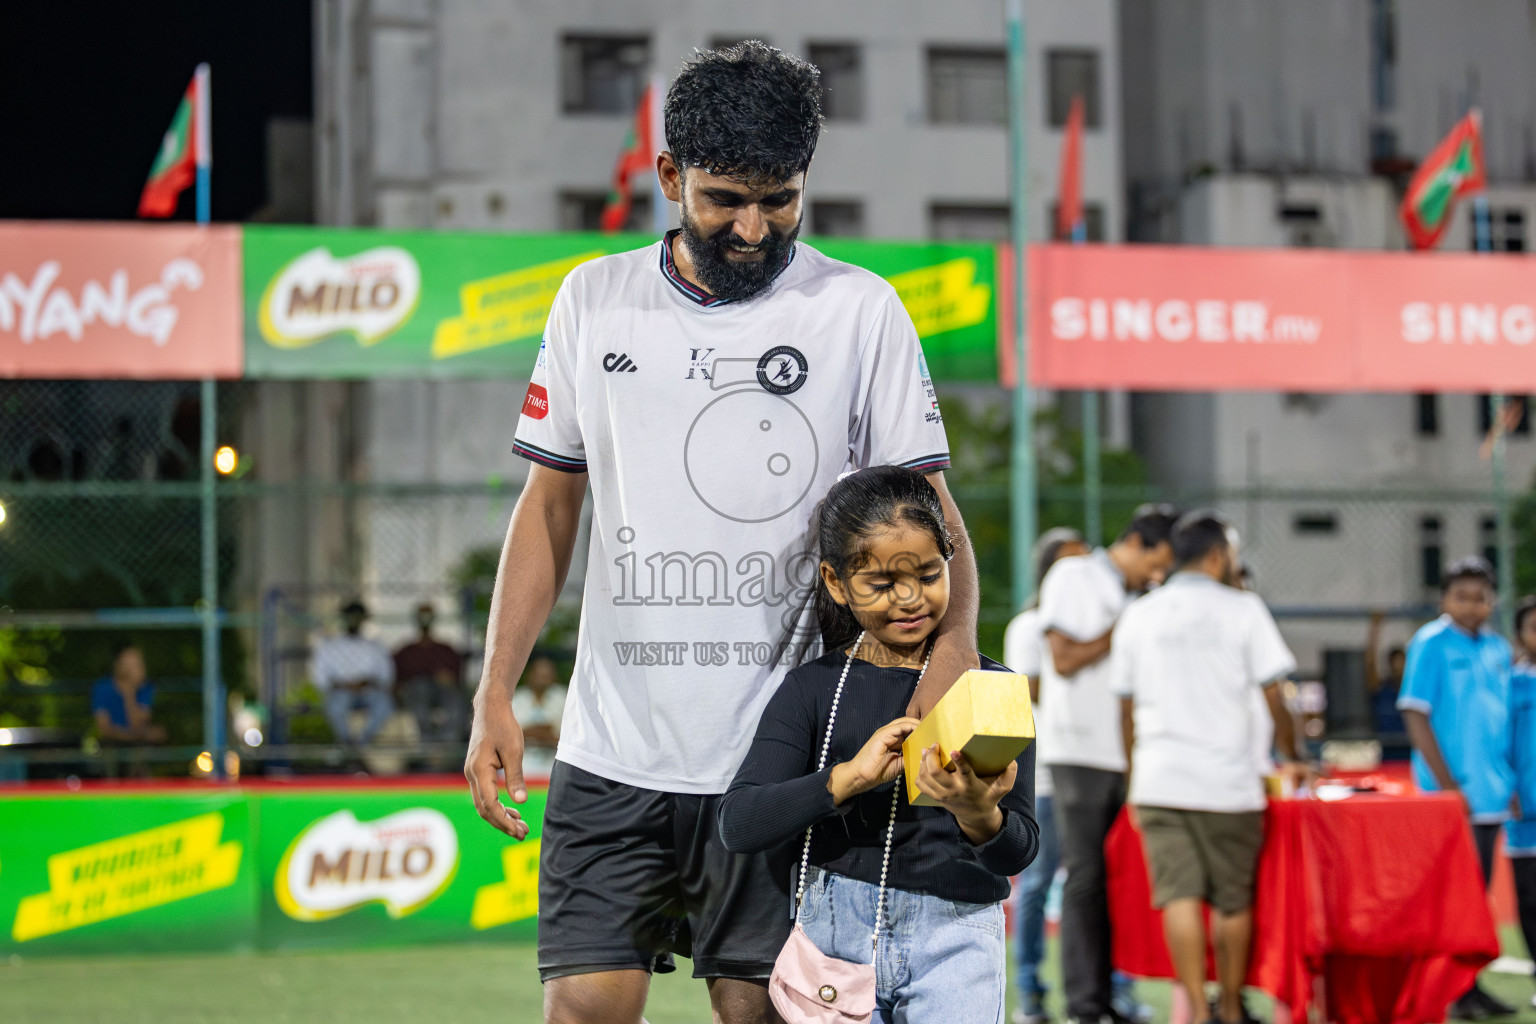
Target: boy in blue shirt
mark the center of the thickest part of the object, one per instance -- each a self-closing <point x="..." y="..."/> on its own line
<point x="1520" y="834"/>
<point x="1455" y="704"/>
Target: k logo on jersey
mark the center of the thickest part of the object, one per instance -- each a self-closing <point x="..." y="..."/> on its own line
<point x="782" y="370"/>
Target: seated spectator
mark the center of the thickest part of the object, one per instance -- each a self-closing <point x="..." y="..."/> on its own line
<point x="353" y="672"/>
<point x="122" y="702"/>
<point x="429" y="683"/>
<point x="538" y="702"/>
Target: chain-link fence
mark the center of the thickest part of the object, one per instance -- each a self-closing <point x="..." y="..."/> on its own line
<point x="101" y="539"/>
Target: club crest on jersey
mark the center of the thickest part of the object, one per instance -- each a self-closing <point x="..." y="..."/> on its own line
<point x="782" y="370"/>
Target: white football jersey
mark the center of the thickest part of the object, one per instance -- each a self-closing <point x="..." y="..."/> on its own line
<point x="710" y="429"/>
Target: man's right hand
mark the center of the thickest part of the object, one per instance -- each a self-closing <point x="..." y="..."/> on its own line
<point x="496" y="742"/>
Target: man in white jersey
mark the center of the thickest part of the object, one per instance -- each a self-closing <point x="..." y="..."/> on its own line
<point x="1080" y="600"/>
<point x="711" y="387"/>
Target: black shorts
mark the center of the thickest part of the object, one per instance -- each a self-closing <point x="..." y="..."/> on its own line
<point x="630" y="876"/>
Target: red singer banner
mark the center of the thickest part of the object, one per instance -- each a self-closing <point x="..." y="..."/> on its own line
<point x="120" y="300"/>
<point x="1162" y="318"/>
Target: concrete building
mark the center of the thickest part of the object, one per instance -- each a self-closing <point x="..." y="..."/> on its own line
<point x="1260" y="124"/>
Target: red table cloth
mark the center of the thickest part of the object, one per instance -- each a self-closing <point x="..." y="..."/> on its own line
<point x="1379" y="897"/>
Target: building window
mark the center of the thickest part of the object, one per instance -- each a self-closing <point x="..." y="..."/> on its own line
<point x="837" y="218"/>
<point x="1315" y="524"/>
<point x="1428" y="419"/>
<point x="1093" y="221"/>
<point x="583" y="211"/>
<point x="1506" y="229"/>
<point x="1431" y="551"/>
<point x="968" y="86"/>
<point x="1488" y="539"/>
<point x="1072" y="73"/>
<point x="603" y="74"/>
<point x="967" y="222"/>
<point x="1522" y="426"/>
<point x="842" y="80"/>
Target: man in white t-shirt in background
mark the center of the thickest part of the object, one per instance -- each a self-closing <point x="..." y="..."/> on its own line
<point x="1024" y="652"/>
<point x="1080" y="601"/>
<point x="1188" y="659"/>
<point x="711" y="388"/>
<point x="354" y="672"/>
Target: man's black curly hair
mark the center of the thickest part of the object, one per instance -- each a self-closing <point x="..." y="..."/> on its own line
<point x="749" y="112"/>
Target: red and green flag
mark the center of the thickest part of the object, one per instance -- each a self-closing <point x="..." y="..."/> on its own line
<point x="183" y="150"/>
<point x="636" y="158"/>
<point x="1454" y="169"/>
<point x="1069" y="197"/>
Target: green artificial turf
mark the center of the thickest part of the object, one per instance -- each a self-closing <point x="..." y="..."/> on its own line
<point x="437" y="985"/>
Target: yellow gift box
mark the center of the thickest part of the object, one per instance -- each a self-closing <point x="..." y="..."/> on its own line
<point x="985" y="714"/>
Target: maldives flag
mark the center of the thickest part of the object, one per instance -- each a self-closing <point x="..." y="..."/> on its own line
<point x="182" y="151"/>
<point x="636" y="158"/>
<point x="1454" y="169"/>
<point x="1069" y="200"/>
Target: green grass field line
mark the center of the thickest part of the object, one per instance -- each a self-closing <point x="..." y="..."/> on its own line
<point x="470" y="984"/>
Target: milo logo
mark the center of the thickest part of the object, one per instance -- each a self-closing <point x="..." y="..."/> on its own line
<point x="337" y="864"/>
<point x="317" y="295"/>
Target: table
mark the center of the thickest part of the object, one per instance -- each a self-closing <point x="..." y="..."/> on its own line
<point x="1378" y="898"/>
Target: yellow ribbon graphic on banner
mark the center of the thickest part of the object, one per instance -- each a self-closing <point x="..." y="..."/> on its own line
<point x="515" y="899"/>
<point x="943" y="297"/>
<point x="128" y="874"/>
<point x="504" y="308"/>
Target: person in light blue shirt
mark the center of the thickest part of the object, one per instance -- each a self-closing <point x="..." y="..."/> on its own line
<point x="1455" y="703"/>
<point x="1520" y="831"/>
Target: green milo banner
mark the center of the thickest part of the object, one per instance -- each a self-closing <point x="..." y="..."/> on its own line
<point x="128" y="873"/>
<point x="383" y="867"/>
<point x="239" y="869"/>
<point x="364" y="303"/>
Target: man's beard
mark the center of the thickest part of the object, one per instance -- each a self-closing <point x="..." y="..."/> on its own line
<point x="727" y="278"/>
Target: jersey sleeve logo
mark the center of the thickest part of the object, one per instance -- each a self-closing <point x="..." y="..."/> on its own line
<point x="536" y="403"/>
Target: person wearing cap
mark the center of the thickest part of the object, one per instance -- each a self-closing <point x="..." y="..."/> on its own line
<point x="354" y="672"/>
<point x="1455" y="703"/>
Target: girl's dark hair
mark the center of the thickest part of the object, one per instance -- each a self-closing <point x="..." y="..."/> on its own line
<point x="858" y="505"/>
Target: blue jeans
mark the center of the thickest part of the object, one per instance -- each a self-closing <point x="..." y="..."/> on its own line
<point x="938" y="960"/>
<point x="1029" y="910"/>
<point x="373" y="699"/>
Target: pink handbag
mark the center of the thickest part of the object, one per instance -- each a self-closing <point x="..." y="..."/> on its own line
<point x="809" y="986"/>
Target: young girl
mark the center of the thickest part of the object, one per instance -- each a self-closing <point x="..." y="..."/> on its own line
<point x="1520" y="832"/>
<point x="884" y="589"/>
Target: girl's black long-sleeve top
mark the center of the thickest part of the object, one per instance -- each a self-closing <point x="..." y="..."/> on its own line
<point x="778" y="793"/>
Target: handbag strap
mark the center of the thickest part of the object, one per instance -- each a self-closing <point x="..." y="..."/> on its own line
<point x="890" y="829"/>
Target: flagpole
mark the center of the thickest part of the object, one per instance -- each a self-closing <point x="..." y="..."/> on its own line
<point x="1093" y="473"/>
<point x="1482" y="235"/>
<point x="1022" y="511"/>
<point x="213" y="681"/>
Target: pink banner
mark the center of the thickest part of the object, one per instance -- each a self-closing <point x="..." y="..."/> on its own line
<point x="119" y="300"/>
<point x="1160" y="318"/>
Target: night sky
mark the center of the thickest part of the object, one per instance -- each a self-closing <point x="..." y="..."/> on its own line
<point x="87" y="90"/>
